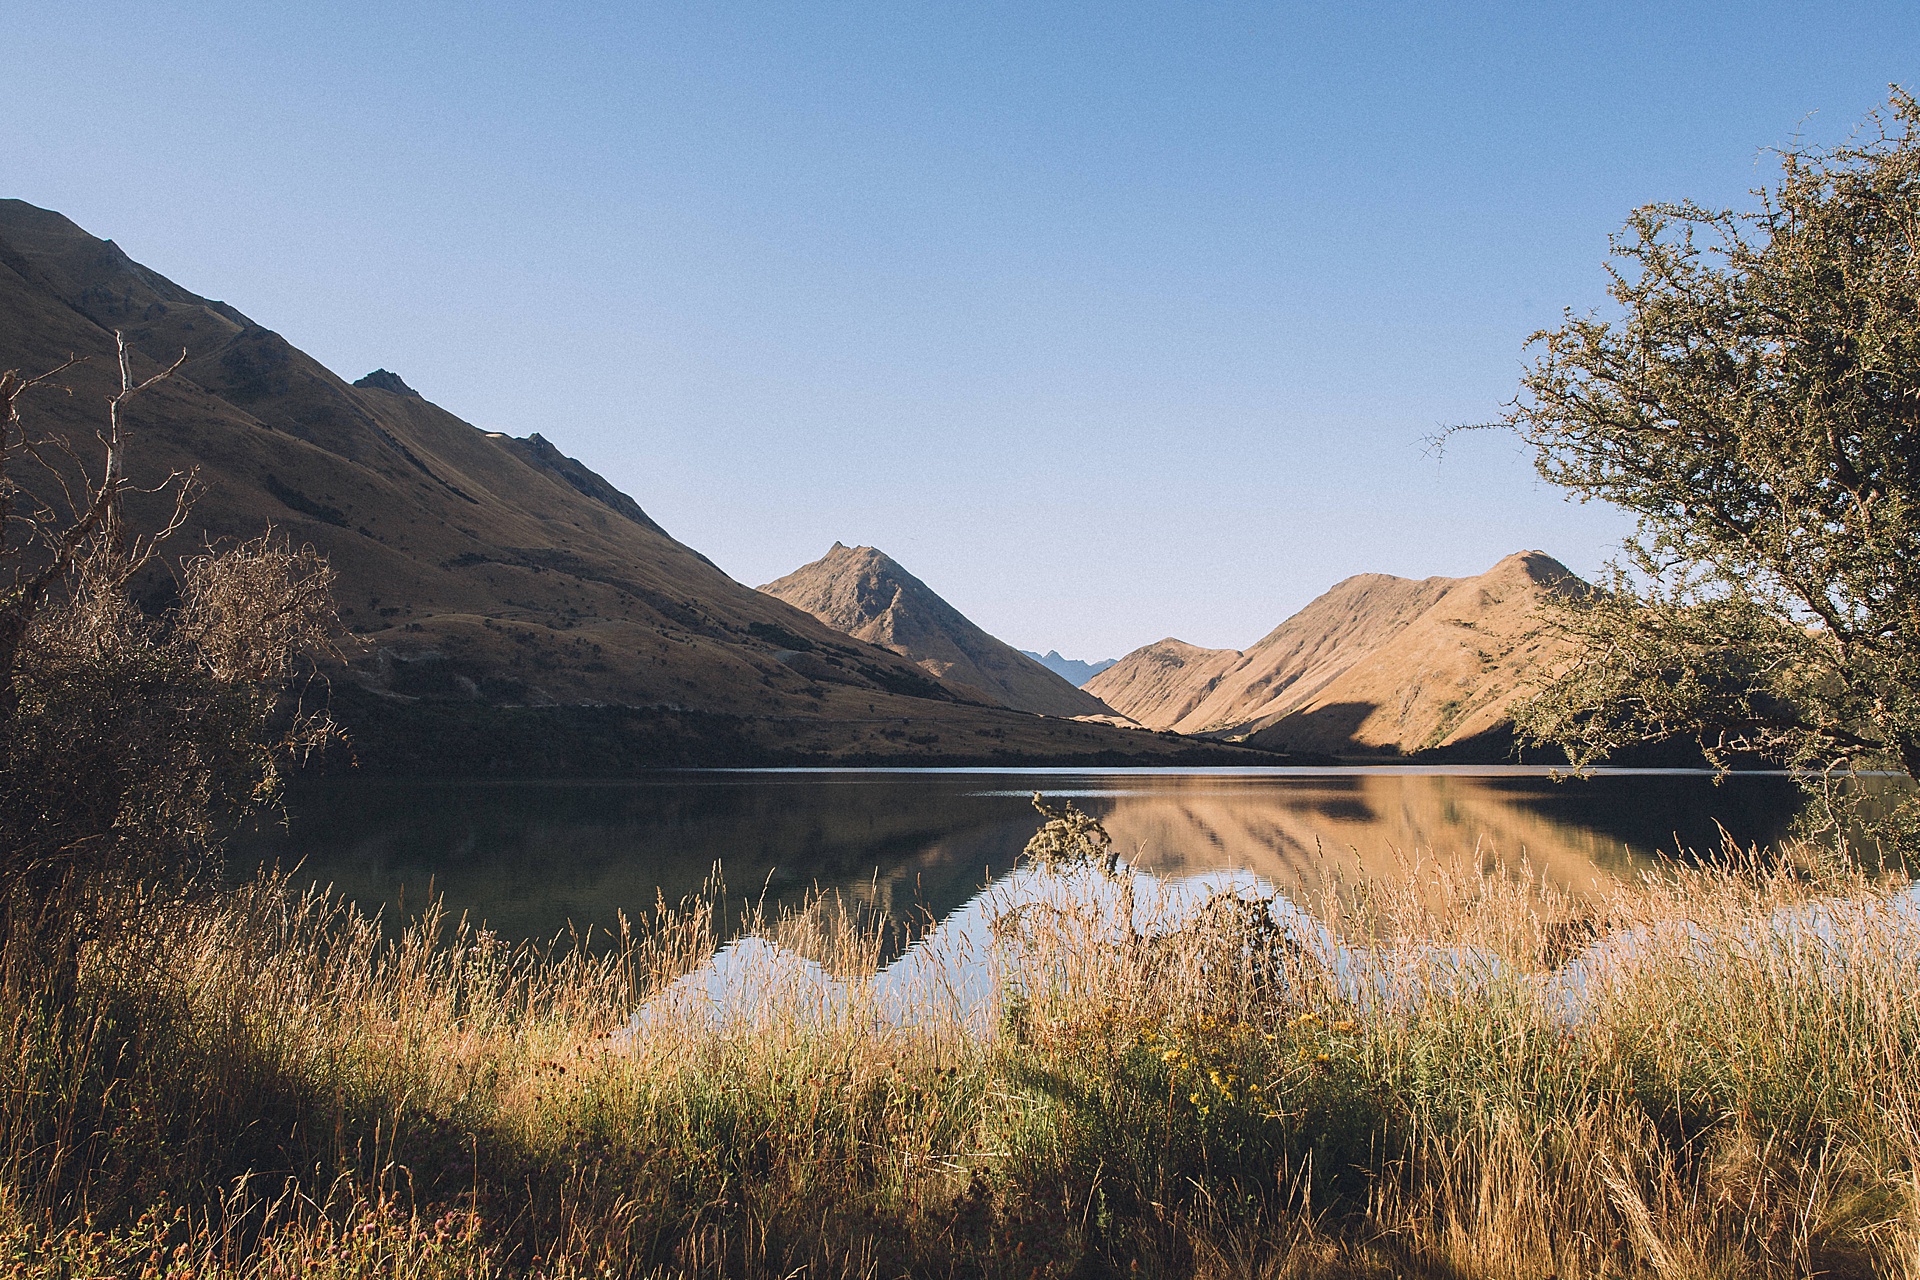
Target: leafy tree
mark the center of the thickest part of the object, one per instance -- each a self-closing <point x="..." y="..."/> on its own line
<point x="1755" y="402"/>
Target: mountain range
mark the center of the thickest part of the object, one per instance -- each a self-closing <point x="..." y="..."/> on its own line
<point x="1378" y="665"/>
<point x="510" y="609"/>
<point x="865" y="593"/>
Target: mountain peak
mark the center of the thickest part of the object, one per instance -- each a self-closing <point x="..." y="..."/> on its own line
<point x="1538" y="566"/>
<point x="841" y="553"/>
<point x="382" y="380"/>
<point x="865" y="593"/>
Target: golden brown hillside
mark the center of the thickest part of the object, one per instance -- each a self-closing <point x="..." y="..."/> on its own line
<point x="475" y="570"/>
<point x="1162" y="682"/>
<point x="1377" y="665"/>
<point x="867" y="595"/>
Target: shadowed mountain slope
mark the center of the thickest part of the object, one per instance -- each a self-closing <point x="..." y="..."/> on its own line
<point x="867" y="595"/>
<point x="475" y="570"/>
<point x="1378" y="664"/>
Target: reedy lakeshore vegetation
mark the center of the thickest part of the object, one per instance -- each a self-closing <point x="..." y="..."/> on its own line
<point x="1707" y="1073"/>
<point x="260" y="1085"/>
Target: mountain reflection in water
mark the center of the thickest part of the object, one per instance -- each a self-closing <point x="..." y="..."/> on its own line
<point x="908" y="847"/>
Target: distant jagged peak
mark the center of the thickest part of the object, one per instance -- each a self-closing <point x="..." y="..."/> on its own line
<point x="1074" y="671"/>
<point x="384" y="380"/>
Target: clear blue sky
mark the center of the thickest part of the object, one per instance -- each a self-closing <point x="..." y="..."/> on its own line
<point x="1111" y="321"/>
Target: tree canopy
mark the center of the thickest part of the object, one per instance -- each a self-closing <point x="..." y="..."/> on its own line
<point x="1753" y="398"/>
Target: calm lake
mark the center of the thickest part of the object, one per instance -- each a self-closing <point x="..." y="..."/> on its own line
<point x="911" y="846"/>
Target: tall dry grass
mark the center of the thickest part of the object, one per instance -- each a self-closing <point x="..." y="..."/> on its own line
<point x="1708" y="1073"/>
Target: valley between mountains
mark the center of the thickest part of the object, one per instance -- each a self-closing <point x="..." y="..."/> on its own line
<point x="511" y="612"/>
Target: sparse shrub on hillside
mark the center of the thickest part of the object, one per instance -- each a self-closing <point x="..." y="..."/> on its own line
<point x="133" y="741"/>
<point x="130" y="741"/>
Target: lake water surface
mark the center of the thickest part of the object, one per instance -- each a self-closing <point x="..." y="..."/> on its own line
<point x="912" y="846"/>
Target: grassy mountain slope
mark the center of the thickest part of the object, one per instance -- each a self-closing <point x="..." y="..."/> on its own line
<point x="1161" y="683"/>
<point x="867" y="595"/>
<point x="1378" y="664"/>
